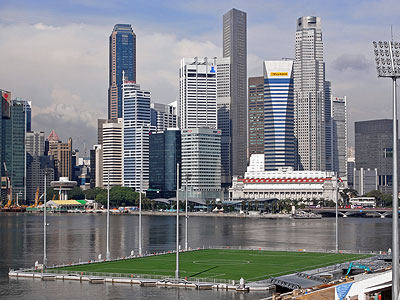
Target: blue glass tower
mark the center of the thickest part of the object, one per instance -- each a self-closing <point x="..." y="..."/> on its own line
<point x="122" y="58"/>
<point x="278" y="114"/>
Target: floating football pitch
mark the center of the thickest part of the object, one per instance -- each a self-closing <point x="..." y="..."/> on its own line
<point x="252" y="265"/>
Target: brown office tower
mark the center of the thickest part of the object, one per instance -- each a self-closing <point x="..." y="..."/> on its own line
<point x="256" y="115"/>
<point x="62" y="155"/>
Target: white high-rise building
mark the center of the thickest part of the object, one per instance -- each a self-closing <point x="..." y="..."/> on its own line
<point x="339" y="135"/>
<point x="163" y="116"/>
<point x="34" y="143"/>
<point x="99" y="165"/>
<point x="201" y="162"/>
<point x="136" y="112"/>
<point x="197" y="93"/>
<point x="113" y="136"/>
<point x="309" y="95"/>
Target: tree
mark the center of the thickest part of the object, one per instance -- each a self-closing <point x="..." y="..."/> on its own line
<point x="50" y="192"/>
<point x="76" y="193"/>
<point x="120" y="196"/>
<point x="92" y="193"/>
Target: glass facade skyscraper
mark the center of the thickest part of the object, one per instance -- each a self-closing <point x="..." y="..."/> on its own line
<point x="165" y="153"/>
<point x="235" y="46"/>
<point x="278" y="114"/>
<point x="13" y="148"/>
<point x="122" y="58"/>
<point x="136" y="132"/>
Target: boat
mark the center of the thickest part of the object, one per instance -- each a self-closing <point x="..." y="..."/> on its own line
<point x="305" y="215"/>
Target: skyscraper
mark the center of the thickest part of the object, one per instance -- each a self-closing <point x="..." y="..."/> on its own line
<point x="201" y="162"/>
<point x="224" y="100"/>
<point x="113" y="152"/>
<point x="136" y="136"/>
<point x="14" y="130"/>
<point x="339" y="135"/>
<point x="235" y="47"/>
<point x="122" y="58"/>
<point x="163" y="116"/>
<point x="165" y="153"/>
<point x="328" y="127"/>
<point x="197" y="93"/>
<point x="374" y="149"/>
<point x="34" y="143"/>
<point x="5" y="103"/>
<point x="309" y="95"/>
<point x="256" y="115"/>
<point x="62" y="153"/>
<point x="278" y="114"/>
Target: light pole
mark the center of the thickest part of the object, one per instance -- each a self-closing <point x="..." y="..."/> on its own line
<point x="108" y="216"/>
<point x="45" y="224"/>
<point x="140" y="198"/>
<point x="186" y="216"/>
<point x="336" y="216"/>
<point x="177" y="222"/>
<point x="387" y="58"/>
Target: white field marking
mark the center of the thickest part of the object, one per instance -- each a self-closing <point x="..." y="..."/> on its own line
<point x="136" y="270"/>
<point x="211" y="262"/>
<point x="214" y="276"/>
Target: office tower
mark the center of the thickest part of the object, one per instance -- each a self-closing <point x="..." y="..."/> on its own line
<point x="163" y="116"/>
<point x="350" y="172"/>
<point x="98" y="175"/>
<point x="136" y="136"/>
<point x="92" y="156"/>
<point x="34" y="146"/>
<point x="13" y="147"/>
<point x="374" y="149"/>
<point x="365" y="180"/>
<point x="5" y="114"/>
<point x="197" y="93"/>
<point x="165" y="153"/>
<point x="37" y="167"/>
<point x="100" y="123"/>
<point x="113" y="137"/>
<point x="328" y="127"/>
<point x="224" y="100"/>
<point x="339" y="135"/>
<point x="201" y="162"/>
<point x="34" y="143"/>
<point x="256" y="116"/>
<point x="279" y="148"/>
<point x="235" y="47"/>
<point x="309" y="95"/>
<point x="62" y="154"/>
<point x="122" y="58"/>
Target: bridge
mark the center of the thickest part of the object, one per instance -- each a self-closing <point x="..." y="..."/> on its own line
<point x="382" y="212"/>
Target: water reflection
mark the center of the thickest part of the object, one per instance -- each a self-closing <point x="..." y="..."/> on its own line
<point x="74" y="237"/>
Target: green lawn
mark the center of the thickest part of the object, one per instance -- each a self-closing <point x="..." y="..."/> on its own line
<point x="252" y="265"/>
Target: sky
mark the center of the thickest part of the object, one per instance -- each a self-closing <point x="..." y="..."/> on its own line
<point x="55" y="53"/>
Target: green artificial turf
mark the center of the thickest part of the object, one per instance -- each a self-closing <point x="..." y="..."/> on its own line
<point x="252" y="265"/>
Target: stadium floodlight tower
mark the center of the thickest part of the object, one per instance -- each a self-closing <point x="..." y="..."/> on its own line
<point x="387" y="58"/>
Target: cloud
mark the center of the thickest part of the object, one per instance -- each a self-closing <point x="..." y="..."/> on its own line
<point x="356" y="62"/>
<point x="57" y="55"/>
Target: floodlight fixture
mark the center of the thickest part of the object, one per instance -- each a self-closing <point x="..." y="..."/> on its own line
<point x="387" y="58"/>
